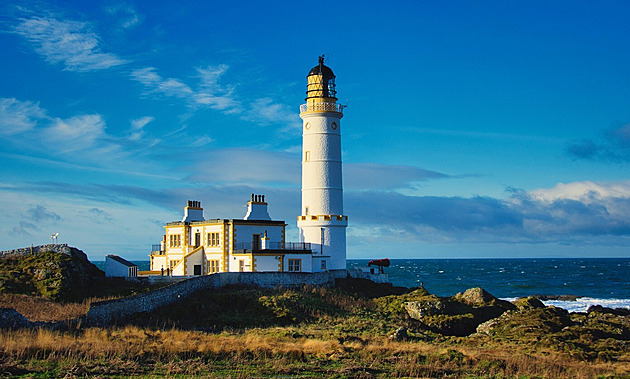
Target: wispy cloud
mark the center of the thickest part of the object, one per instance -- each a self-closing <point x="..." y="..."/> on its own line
<point x="73" y="44"/>
<point x="18" y="116"/>
<point x="613" y="147"/>
<point x="214" y="95"/>
<point x="40" y="213"/>
<point x="80" y="139"/>
<point x="99" y="216"/>
<point x="24" y="229"/>
<point x="374" y="176"/>
<point x="265" y="111"/>
<point x="137" y="127"/>
<point x="208" y="93"/>
<point x="129" y="17"/>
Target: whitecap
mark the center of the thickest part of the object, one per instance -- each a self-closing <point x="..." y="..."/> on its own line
<point x="582" y="303"/>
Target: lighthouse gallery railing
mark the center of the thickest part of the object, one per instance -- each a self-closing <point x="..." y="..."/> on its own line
<point x="322" y="107"/>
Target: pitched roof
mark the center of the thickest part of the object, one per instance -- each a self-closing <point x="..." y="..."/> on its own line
<point x="121" y="260"/>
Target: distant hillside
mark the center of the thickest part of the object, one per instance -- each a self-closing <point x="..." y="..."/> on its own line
<point x="56" y="272"/>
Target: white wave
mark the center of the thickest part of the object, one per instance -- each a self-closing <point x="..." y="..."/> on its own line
<point x="582" y="303"/>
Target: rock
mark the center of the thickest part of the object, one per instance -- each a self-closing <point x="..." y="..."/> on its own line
<point x="12" y="319"/>
<point x="557" y="297"/>
<point x="399" y="335"/>
<point x="474" y="296"/>
<point x="528" y="303"/>
<point x="419" y="309"/>
<point x="459" y="315"/>
<point x="615" y="311"/>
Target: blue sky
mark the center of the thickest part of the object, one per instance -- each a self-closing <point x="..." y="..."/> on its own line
<point x="473" y="129"/>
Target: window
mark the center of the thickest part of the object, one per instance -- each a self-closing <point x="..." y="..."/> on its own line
<point x="306" y="211"/>
<point x="334" y="126"/>
<point x="307" y="156"/>
<point x="323" y="265"/>
<point x="213" y="239"/>
<point x="214" y="266"/>
<point x="295" y="265"/>
<point x="241" y="265"/>
<point x="175" y="240"/>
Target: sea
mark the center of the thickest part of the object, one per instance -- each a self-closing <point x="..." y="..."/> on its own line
<point x="594" y="281"/>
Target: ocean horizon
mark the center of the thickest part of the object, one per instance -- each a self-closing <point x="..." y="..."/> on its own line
<point x="595" y="281"/>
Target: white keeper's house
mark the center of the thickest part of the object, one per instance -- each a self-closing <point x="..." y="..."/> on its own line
<point x="199" y="246"/>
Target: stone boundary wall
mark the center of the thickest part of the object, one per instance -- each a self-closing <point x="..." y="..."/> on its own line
<point x="57" y="248"/>
<point x="107" y="312"/>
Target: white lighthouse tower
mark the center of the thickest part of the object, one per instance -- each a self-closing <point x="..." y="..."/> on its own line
<point x="322" y="222"/>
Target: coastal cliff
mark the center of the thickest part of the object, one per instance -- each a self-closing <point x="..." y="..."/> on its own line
<point x="55" y="271"/>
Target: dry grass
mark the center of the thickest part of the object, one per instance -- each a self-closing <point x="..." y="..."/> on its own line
<point x="145" y="351"/>
<point x="40" y="309"/>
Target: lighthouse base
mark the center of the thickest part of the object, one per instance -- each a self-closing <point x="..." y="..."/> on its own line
<point x="327" y="236"/>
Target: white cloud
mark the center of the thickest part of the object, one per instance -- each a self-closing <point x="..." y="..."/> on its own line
<point x="129" y="16"/>
<point x="213" y="94"/>
<point x="585" y="191"/>
<point x="208" y="93"/>
<point x="18" y="116"/>
<point x="46" y="140"/>
<point x="265" y="110"/>
<point x="156" y="84"/>
<point x="76" y="133"/>
<point x="71" y="43"/>
<point x="137" y="127"/>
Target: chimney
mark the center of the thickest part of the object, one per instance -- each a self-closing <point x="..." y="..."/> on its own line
<point x="257" y="208"/>
<point x="193" y="211"/>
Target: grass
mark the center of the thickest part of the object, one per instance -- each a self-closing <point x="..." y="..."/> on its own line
<point x="310" y="332"/>
<point x="148" y="352"/>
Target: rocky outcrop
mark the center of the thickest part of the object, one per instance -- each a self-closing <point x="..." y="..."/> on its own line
<point x="612" y="311"/>
<point x="458" y="315"/>
<point x="57" y="272"/>
<point x="528" y="303"/>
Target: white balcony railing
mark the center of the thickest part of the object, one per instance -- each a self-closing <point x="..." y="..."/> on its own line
<point x="322" y="107"/>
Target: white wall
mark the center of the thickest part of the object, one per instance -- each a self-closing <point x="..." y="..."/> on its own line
<point x="115" y="269"/>
<point x="267" y="263"/>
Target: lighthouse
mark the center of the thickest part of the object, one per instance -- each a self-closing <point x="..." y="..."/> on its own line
<point x="322" y="222"/>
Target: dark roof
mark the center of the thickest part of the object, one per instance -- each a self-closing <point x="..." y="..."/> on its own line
<point x="121" y="260"/>
<point x="321" y="69"/>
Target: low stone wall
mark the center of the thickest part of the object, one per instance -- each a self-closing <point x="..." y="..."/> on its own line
<point x="107" y="312"/>
<point x="12" y="319"/>
<point x="58" y="248"/>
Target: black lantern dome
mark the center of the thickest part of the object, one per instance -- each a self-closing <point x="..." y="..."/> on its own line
<point x="321" y="82"/>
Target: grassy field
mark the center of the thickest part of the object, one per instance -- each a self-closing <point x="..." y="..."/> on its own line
<point x="305" y="333"/>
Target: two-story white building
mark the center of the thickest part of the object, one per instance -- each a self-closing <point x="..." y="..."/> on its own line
<point x="198" y="246"/>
